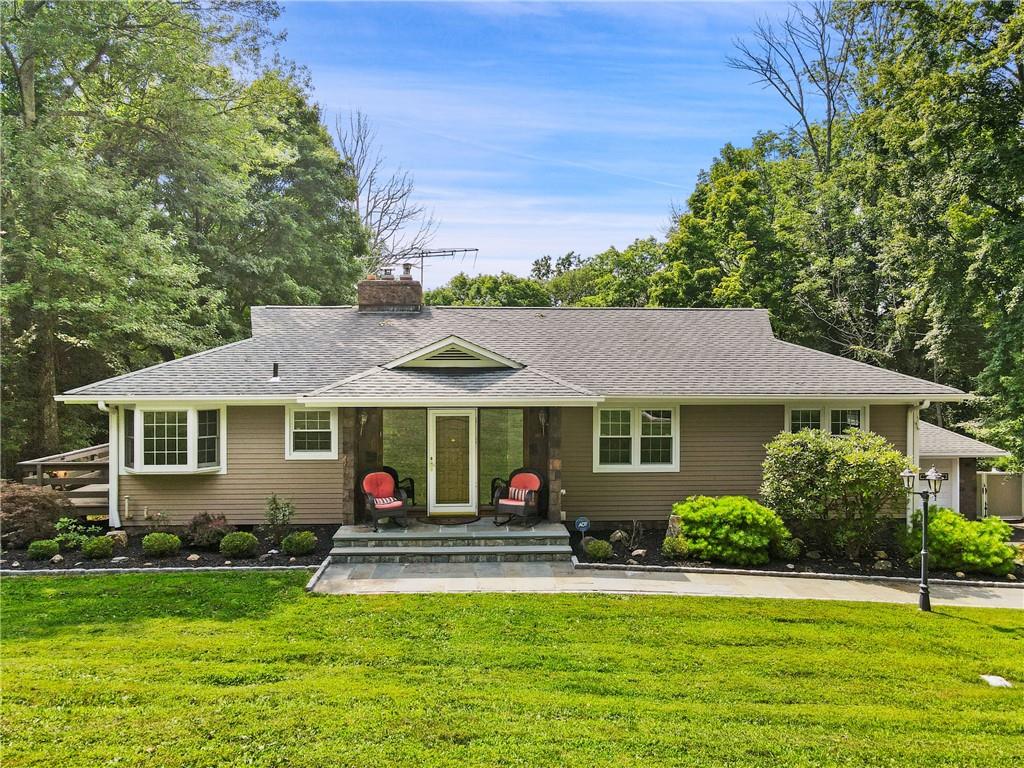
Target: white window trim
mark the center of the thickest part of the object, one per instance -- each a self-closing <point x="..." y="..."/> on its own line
<point x="825" y="410"/>
<point x="634" y="434"/>
<point x="291" y="455"/>
<point x="191" y="466"/>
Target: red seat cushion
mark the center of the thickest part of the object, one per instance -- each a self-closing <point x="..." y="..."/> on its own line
<point x="380" y="485"/>
<point x="526" y="480"/>
<point x="516" y="502"/>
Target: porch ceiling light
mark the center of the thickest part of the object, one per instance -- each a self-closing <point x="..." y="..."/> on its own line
<point x="908" y="476"/>
<point x="934" y="478"/>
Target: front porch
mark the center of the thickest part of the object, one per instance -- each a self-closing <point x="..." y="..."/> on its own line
<point x="451" y="455"/>
<point x="479" y="541"/>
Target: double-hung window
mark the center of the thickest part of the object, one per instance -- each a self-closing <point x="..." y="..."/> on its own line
<point x="312" y="433"/>
<point x="636" y="439"/>
<point x="170" y="439"/>
<point x="835" y="419"/>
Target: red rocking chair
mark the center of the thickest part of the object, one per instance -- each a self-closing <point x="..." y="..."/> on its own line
<point x="520" y="497"/>
<point x="384" y="499"/>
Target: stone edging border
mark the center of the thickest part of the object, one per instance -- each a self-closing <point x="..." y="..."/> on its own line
<point x="577" y="565"/>
<point x="154" y="569"/>
<point x="319" y="572"/>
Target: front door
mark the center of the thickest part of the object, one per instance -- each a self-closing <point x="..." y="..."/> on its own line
<point x="451" y="461"/>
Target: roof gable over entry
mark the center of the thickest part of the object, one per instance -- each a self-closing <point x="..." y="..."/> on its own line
<point x="453" y="352"/>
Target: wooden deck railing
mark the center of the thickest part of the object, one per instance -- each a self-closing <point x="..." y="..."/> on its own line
<point x="82" y="475"/>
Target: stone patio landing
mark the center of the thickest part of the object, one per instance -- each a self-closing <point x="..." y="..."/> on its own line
<point x="477" y="542"/>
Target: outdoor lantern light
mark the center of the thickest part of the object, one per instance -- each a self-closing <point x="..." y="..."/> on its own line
<point x="934" y="479"/>
<point x="908" y="476"/>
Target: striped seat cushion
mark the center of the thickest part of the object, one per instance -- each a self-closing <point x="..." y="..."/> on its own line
<point x="387" y="502"/>
<point x="517" y="494"/>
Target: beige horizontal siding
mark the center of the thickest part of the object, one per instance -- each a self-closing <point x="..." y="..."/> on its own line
<point x="256" y="469"/>
<point x="890" y="421"/>
<point x="721" y="452"/>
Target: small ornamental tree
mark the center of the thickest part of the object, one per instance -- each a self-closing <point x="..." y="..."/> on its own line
<point x="832" y="490"/>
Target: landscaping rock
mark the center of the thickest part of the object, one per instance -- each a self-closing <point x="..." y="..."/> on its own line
<point x="77" y="564"/>
<point x="881" y="555"/>
<point x="227" y="562"/>
<point x="120" y="559"/>
<point x="273" y="552"/>
<point x="57" y="559"/>
<point x="120" y="538"/>
<point x="293" y="559"/>
<point x="631" y="561"/>
<point x="673" y="526"/>
<point x="882" y="565"/>
<point x="961" y="575"/>
<point x="639" y="553"/>
<point x="193" y="557"/>
<point x="813" y="555"/>
<point x="265" y="557"/>
<point x="15" y="564"/>
<point x="147" y="564"/>
<point x="618" y="536"/>
<point x="791" y="566"/>
<point x="856" y="565"/>
<point x="1009" y="576"/>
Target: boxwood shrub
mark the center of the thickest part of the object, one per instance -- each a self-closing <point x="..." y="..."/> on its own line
<point x="730" y="529"/>
<point x="598" y="549"/>
<point x="43" y="549"/>
<point x="161" y="544"/>
<point x="239" y="544"/>
<point x="675" y="546"/>
<point x="299" y="543"/>
<point x="98" y="548"/>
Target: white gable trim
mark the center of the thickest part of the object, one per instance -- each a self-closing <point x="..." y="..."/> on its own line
<point x="472" y="356"/>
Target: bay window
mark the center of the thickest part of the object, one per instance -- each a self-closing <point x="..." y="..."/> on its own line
<point x="169" y="439"/>
<point x="636" y="439"/>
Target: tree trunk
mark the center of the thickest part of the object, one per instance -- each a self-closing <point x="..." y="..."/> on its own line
<point x="49" y="427"/>
<point x="27" y="86"/>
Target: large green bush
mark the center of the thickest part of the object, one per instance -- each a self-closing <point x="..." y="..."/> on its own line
<point x="731" y="529"/>
<point x="958" y="544"/>
<point x="598" y="549"/>
<point x="833" y="490"/>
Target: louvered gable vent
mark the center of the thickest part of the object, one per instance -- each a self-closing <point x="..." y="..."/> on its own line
<point x="453" y="352"/>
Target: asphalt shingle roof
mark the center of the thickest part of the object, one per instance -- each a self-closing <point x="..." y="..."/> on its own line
<point x="609" y="352"/>
<point x="936" y="441"/>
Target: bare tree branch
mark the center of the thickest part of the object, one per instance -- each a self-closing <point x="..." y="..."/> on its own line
<point x="806" y="59"/>
<point x="398" y="226"/>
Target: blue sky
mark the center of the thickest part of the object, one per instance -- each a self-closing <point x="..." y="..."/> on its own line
<point x="538" y="128"/>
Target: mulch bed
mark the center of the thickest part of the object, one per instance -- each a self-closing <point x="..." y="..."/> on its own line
<point x="651" y="537"/>
<point x="139" y="559"/>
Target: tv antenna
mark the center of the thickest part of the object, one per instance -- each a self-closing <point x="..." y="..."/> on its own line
<point x="442" y="253"/>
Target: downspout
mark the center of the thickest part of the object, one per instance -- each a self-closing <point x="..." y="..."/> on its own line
<point x="113" y="464"/>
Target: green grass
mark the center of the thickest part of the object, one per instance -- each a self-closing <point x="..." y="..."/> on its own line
<point x="246" y="669"/>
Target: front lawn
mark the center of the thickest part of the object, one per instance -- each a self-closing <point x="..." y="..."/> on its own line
<point x="246" y="669"/>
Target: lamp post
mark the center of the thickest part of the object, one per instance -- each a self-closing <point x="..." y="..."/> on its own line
<point x="934" y="480"/>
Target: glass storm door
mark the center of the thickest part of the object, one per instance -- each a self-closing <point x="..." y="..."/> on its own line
<point x="451" y="461"/>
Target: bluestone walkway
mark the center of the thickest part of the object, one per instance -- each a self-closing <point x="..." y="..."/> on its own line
<point x="369" y="578"/>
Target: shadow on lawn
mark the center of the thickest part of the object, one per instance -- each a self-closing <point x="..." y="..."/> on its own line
<point x="45" y="606"/>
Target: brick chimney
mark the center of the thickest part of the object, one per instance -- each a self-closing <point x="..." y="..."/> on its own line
<point x="387" y="294"/>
